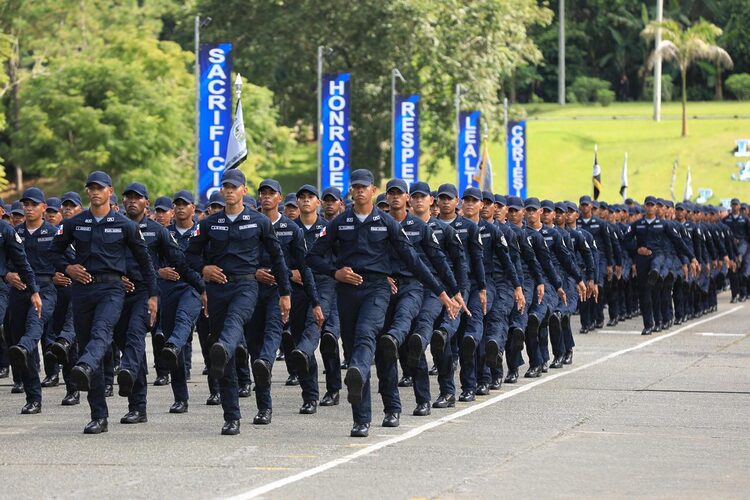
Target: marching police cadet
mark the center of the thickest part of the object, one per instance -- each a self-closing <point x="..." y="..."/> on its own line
<point x="17" y="214"/>
<point x="652" y="236"/>
<point x="30" y="305"/>
<point x="561" y="247"/>
<point x="130" y="331"/>
<point x="291" y="208"/>
<point x="162" y="214"/>
<point x="215" y="205"/>
<point x="444" y="344"/>
<point x="583" y="254"/>
<point x="64" y="348"/>
<point x="304" y="329"/>
<point x="101" y="238"/>
<point x="263" y="333"/>
<point x="364" y="235"/>
<point x="600" y="231"/>
<point x="164" y="211"/>
<point x="406" y="302"/>
<point x="612" y="286"/>
<point x="180" y="301"/>
<point x="497" y="321"/>
<point x="542" y="306"/>
<point x="739" y="224"/>
<point x="51" y="367"/>
<point x="382" y="203"/>
<point x="226" y="249"/>
<point x="432" y="315"/>
<point x="693" y="237"/>
<point x="533" y="283"/>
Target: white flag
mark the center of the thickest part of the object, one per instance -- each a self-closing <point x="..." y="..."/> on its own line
<point x="674" y="180"/>
<point x="237" y="145"/>
<point x="624" y="179"/>
<point x="688" y="187"/>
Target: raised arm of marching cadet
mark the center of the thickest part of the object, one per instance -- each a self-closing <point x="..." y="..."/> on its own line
<point x="502" y="254"/>
<point x="173" y="255"/>
<point x="317" y="257"/>
<point x="529" y="257"/>
<point x="455" y="251"/>
<point x="566" y="257"/>
<point x="408" y="254"/>
<point x="136" y="244"/>
<point x="545" y="259"/>
<point x="298" y="250"/>
<point x="278" y="264"/>
<point x="14" y="251"/>
<point x="588" y="257"/>
<point x="476" y="256"/>
<point x="607" y="241"/>
<point x="437" y="258"/>
<point x="679" y="244"/>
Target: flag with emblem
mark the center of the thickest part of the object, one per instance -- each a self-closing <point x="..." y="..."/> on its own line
<point x="237" y="145"/>
<point x="596" y="176"/>
<point x="484" y="175"/>
<point x="624" y="179"/>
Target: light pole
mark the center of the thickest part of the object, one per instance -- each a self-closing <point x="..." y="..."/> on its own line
<point x="395" y="73"/>
<point x="657" y="64"/>
<point x="197" y="34"/>
<point x="322" y="52"/>
<point x="561" y="57"/>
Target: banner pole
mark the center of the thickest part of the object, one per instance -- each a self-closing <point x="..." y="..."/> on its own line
<point x="197" y="35"/>
<point x="394" y="74"/>
<point x="458" y="130"/>
<point x="319" y="125"/>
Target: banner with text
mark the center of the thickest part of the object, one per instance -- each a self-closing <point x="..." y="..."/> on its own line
<point x="516" y="138"/>
<point x="215" y="115"/>
<point x="334" y="132"/>
<point x="406" y="139"/>
<point x="468" y="149"/>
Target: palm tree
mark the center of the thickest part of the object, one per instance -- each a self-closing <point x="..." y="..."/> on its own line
<point x="684" y="46"/>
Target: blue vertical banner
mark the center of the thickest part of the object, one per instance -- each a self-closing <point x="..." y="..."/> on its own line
<point x="334" y="132"/>
<point x="516" y="138"/>
<point x="468" y="149"/>
<point x="215" y="115"/>
<point x="406" y="139"/>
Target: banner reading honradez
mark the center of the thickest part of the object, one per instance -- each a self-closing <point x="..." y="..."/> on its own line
<point x="215" y="115"/>
<point x="468" y="149"/>
<point x="516" y="139"/>
<point x="406" y="139"/>
<point x="334" y="132"/>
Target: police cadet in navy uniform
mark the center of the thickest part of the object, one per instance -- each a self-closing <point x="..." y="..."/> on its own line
<point x="53" y="216"/>
<point x="64" y="348"/>
<point x="305" y="331"/>
<point x="364" y="234"/>
<point x="32" y="296"/>
<point x="179" y="285"/>
<point x="740" y="226"/>
<point x="226" y="249"/>
<point x="432" y="316"/>
<point x="102" y="238"/>
<point x="406" y="302"/>
<point x="444" y="344"/>
<point x="600" y="231"/>
<point x="652" y="236"/>
<point x="263" y="333"/>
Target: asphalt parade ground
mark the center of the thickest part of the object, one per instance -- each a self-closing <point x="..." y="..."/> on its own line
<point x="660" y="416"/>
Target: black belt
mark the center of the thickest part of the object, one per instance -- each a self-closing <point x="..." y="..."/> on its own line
<point x="43" y="278"/>
<point x="233" y="278"/>
<point x="106" y="278"/>
<point x="404" y="280"/>
<point x="371" y="276"/>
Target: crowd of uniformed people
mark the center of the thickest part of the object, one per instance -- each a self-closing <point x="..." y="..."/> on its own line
<point x="486" y="283"/>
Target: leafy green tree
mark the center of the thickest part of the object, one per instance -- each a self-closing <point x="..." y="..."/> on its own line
<point x="685" y="46"/>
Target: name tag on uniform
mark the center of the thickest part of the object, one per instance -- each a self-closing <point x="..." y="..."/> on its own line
<point x="149" y="233"/>
<point x="248" y="226"/>
<point x="485" y="235"/>
<point x="346" y="228"/>
<point x="113" y="230"/>
<point x="463" y="230"/>
<point x="48" y="238"/>
<point x="412" y="233"/>
<point x="283" y="233"/>
<point x="658" y="226"/>
<point x="438" y="231"/>
<point x="83" y="228"/>
<point x="594" y="226"/>
<point x="378" y="228"/>
<point x="220" y="228"/>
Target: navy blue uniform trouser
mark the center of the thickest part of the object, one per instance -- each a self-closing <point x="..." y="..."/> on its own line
<point x="306" y="337"/>
<point x="263" y="336"/>
<point x="535" y="341"/>
<point x="130" y="338"/>
<point x="3" y="308"/>
<point x="27" y="329"/>
<point x="362" y="312"/>
<point x="96" y="310"/>
<point x="230" y="306"/>
<point x="496" y="326"/>
<point x="475" y="328"/>
<point x="331" y="362"/>
<point x="179" y="311"/>
<point x="427" y="320"/>
<point x="402" y="309"/>
<point x="202" y="326"/>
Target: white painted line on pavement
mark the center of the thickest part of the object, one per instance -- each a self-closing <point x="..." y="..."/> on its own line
<point x="280" y="483"/>
<point x="620" y="332"/>
<point x="712" y="334"/>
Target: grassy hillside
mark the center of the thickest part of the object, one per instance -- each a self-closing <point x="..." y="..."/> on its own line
<point x="561" y="142"/>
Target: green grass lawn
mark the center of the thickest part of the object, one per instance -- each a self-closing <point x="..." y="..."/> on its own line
<point x="561" y="143"/>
